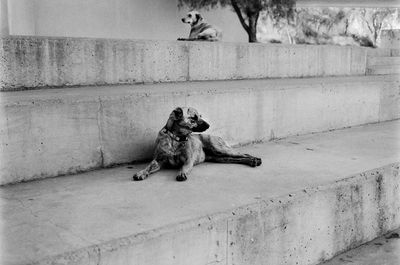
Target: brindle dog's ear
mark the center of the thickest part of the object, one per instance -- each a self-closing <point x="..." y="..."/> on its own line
<point x="178" y="113"/>
<point x="198" y="17"/>
<point x="175" y="115"/>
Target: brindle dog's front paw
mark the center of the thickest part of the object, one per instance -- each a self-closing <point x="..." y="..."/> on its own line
<point x="255" y="162"/>
<point x="140" y="176"/>
<point x="181" y="177"/>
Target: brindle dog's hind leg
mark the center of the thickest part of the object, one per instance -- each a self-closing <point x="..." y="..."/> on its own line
<point x="217" y="150"/>
<point x="154" y="166"/>
<point x="245" y="159"/>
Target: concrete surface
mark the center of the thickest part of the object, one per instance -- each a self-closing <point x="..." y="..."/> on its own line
<point x="387" y="60"/>
<point x="384" y="70"/>
<point x="31" y="62"/>
<point x="384" y="250"/>
<point x="307" y="202"/>
<point x="383" y="65"/>
<point x="383" y="52"/>
<point x="4" y="30"/>
<point x="45" y="133"/>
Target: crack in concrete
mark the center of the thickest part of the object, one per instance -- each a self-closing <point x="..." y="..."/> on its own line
<point x="215" y="262"/>
<point x="98" y="251"/>
<point x="227" y="241"/>
<point x="69" y="231"/>
<point x="26" y="207"/>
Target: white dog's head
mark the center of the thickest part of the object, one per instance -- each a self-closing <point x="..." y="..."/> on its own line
<point x="192" y="18"/>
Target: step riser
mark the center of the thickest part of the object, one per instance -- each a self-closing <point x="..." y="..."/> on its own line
<point x="383" y="65"/>
<point x="31" y="62"/>
<point x="308" y="227"/>
<point x="383" y="52"/>
<point x="63" y="133"/>
<point x="372" y="61"/>
<point x="384" y="70"/>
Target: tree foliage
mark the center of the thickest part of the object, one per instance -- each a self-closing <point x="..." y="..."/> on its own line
<point x="248" y="11"/>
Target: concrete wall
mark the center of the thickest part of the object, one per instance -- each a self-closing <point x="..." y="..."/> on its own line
<point x="4" y="28"/>
<point x="134" y="19"/>
<point x="46" y="133"/>
<point x="31" y="62"/>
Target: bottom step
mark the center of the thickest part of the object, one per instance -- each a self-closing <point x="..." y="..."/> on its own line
<point x="314" y="196"/>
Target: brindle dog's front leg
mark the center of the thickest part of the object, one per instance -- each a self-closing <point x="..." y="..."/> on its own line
<point x="186" y="169"/>
<point x="154" y="166"/>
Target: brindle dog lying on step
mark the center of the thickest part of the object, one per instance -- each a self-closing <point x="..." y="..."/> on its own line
<point x="176" y="146"/>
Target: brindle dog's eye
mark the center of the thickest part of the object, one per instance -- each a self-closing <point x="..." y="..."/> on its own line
<point x="190" y="15"/>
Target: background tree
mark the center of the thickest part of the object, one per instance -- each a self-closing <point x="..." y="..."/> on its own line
<point x="248" y="11"/>
<point x="376" y="20"/>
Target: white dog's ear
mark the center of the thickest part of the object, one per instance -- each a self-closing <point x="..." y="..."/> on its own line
<point x="199" y="17"/>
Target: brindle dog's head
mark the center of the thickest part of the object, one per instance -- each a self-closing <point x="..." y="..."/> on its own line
<point x="183" y="121"/>
<point x="192" y="18"/>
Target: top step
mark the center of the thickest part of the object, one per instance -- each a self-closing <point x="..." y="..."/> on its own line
<point x="28" y="62"/>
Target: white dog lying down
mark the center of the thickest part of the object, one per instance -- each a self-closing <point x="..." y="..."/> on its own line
<point x="200" y="30"/>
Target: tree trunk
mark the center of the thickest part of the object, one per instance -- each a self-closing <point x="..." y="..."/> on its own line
<point x="252" y="17"/>
<point x="252" y="32"/>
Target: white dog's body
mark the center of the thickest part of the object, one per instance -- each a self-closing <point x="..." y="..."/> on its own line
<point x="200" y="30"/>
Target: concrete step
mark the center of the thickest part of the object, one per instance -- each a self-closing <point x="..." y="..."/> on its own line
<point x="28" y="62"/>
<point x="383" y="52"/>
<point x="384" y="250"/>
<point x="383" y="70"/>
<point x="384" y="65"/>
<point x="52" y="132"/>
<point x="383" y="61"/>
<point x="313" y="197"/>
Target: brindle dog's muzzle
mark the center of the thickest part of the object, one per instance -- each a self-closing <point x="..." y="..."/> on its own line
<point x="202" y="125"/>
